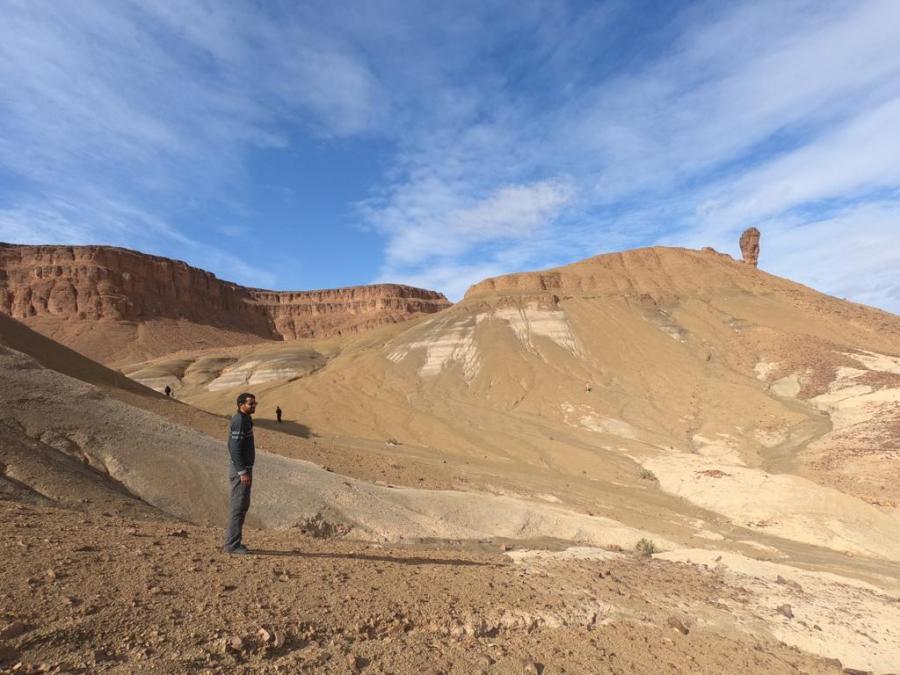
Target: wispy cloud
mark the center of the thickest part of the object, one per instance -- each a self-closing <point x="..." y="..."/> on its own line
<point x="519" y="135"/>
<point x="118" y="118"/>
<point x="758" y="114"/>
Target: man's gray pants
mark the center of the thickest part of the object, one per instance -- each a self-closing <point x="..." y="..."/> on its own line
<point x="238" y="505"/>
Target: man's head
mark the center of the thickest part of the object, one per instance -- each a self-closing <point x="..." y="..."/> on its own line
<point x="246" y="403"/>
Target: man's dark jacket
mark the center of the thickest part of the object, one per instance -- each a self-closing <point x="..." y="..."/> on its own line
<point x="240" y="443"/>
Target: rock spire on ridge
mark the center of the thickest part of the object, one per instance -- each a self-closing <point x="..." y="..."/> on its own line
<point x="750" y="246"/>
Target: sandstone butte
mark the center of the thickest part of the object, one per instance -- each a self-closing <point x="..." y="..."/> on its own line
<point x="116" y="305"/>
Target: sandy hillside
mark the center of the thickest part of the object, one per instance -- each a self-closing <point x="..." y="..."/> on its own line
<point x="620" y="386"/>
<point x="468" y="492"/>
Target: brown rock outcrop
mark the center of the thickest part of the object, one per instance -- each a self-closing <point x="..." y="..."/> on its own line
<point x="95" y="283"/>
<point x="304" y="314"/>
<point x="110" y="303"/>
<point x="750" y="246"/>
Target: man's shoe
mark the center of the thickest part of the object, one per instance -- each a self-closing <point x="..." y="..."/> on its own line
<point x="241" y="546"/>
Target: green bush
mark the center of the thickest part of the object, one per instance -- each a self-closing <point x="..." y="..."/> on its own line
<point x="646" y="547"/>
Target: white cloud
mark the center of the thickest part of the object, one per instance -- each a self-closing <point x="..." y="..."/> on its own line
<point x="754" y="112"/>
<point x="859" y="156"/>
<point x="852" y="254"/>
<point x="101" y="220"/>
<point x="156" y="104"/>
<point x="432" y="222"/>
<point x="522" y="135"/>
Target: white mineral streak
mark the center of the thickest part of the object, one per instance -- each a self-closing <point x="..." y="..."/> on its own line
<point x="782" y="505"/>
<point x="448" y="341"/>
<point x="724" y="449"/>
<point x="271" y="373"/>
<point x="786" y="387"/>
<point x="234" y="376"/>
<point x="879" y="362"/>
<point x="587" y="418"/>
<point x="445" y="342"/>
<point x="528" y="322"/>
<point x="255" y="372"/>
<point x="764" y="368"/>
<point x="850" y="403"/>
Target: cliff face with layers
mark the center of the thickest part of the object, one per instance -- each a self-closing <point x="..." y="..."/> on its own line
<point x="113" y="303"/>
<point x="344" y="310"/>
<point x="95" y="283"/>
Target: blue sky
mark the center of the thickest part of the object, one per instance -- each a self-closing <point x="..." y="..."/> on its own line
<point x="308" y="145"/>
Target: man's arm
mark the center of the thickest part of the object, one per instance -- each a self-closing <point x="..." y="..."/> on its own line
<point x="236" y="444"/>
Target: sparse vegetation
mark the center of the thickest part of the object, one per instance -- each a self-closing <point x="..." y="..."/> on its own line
<point x="646" y="547"/>
<point x="647" y="474"/>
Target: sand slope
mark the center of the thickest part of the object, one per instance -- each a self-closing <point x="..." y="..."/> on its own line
<point x="722" y="381"/>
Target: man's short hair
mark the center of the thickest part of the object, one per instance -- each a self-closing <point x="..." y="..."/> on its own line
<point x="242" y="398"/>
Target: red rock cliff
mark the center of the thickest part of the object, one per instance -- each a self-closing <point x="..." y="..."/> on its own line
<point x="342" y="310"/>
<point x="58" y="288"/>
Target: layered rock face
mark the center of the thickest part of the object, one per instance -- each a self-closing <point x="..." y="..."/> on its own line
<point x="67" y="291"/>
<point x="95" y="283"/>
<point x="344" y="310"/>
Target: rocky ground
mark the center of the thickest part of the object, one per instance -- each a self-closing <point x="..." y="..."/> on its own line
<point x="93" y="591"/>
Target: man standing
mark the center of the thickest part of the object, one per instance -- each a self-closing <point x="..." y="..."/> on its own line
<point x="278" y="413"/>
<point x="243" y="452"/>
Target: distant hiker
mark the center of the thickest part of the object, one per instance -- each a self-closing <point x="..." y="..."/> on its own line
<point x="278" y="414"/>
<point x="588" y="387"/>
<point x="242" y="452"/>
<point x="168" y="390"/>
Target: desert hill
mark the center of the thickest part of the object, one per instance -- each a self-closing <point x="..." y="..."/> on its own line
<point x="733" y="426"/>
<point x="117" y="305"/>
<point x="752" y="397"/>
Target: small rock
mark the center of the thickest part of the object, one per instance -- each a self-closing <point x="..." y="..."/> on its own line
<point x="677" y="624"/>
<point x="52" y="575"/>
<point x="178" y="533"/>
<point x="504" y="547"/>
<point x="13" y="630"/>
<point x="264" y="635"/>
<point x="235" y="643"/>
<point x="531" y="667"/>
<point x="279" y="639"/>
<point x="353" y="663"/>
<point x="484" y="661"/>
<point x="131" y="531"/>
<point x="785" y="610"/>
